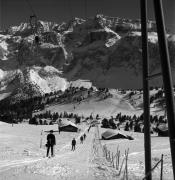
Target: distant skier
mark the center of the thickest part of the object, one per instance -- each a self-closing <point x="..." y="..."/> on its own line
<point x="84" y="136"/>
<point x="73" y="144"/>
<point x="50" y="143"/>
<point x="81" y="139"/>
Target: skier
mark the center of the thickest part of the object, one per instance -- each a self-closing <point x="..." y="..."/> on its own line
<point x="81" y="139"/>
<point x="73" y="144"/>
<point x="50" y="143"/>
<point x="84" y="136"/>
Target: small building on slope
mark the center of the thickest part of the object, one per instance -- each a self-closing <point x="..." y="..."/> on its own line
<point x="162" y="130"/>
<point x="68" y="126"/>
<point x="109" y="134"/>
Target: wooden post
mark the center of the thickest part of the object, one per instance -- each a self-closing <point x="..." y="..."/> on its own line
<point x="161" y="173"/>
<point x="116" y="161"/>
<point x="146" y="98"/>
<point x="105" y="152"/>
<point x="41" y="140"/>
<point x="121" y="166"/>
<point x="118" y="158"/>
<point x="124" y="174"/>
<point x="167" y="76"/>
<point x="1" y="15"/>
<point x="126" y="167"/>
<point x="109" y="155"/>
<point x="152" y="169"/>
<point x="112" y="160"/>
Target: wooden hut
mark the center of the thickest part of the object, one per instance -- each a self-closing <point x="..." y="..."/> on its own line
<point x="109" y="134"/>
<point x="68" y="126"/>
<point x="162" y="130"/>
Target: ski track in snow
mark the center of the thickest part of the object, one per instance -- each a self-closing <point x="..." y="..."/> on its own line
<point x="142" y="152"/>
<point x="85" y="163"/>
<point x="6" y="164"/>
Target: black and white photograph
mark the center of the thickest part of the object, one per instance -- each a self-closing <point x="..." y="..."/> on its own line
<point x="87" y="89"/>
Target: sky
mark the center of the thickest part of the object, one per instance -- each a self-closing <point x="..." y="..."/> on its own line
<point x="14" y="12"/>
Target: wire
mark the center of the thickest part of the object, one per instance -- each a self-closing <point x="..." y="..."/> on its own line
<point x="85" y="8"/>
<point x="33" y="18"/>
<point x="30" y="6"/>
<point x="1" y="15"/>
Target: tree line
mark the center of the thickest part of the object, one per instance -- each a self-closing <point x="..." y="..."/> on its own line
<point x="23" y="109"/>
<point x="53" y="117"/>
<point x="131" y="123"/>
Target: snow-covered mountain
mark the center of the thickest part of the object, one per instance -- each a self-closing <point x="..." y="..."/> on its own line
<point x="104" y="51"/>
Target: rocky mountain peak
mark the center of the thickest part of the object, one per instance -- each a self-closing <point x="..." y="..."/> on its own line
<point x="103" y="50"/>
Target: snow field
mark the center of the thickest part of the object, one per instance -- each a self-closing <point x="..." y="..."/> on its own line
<point x="86" y="162"/>
<point x="160" y="145"/>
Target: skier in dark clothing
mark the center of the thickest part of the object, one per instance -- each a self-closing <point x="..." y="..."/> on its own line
<point x="73" y="144"/>
<point x="84" y="136"/>
<point x="81" y="139"/>
<point x="50" y="143"/>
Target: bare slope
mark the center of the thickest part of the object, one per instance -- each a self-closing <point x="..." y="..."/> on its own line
<point x="97" y="105"/>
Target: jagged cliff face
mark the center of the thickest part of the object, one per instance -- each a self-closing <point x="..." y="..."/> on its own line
<point x="103" y="50"/>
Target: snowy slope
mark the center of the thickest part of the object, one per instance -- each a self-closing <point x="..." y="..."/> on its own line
<point x="23" y="151"/>
<point x="98" y="105"/>
<point x="44" y="80"/>
<point x="4" y="47"/>
<point x="26" y="160"/>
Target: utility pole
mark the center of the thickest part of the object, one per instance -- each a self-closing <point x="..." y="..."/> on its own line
<point x="146" y="98"/>
<point x="167" y="76"/>
<point x="1" y="14"/>
<point x="85" y="8"/>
